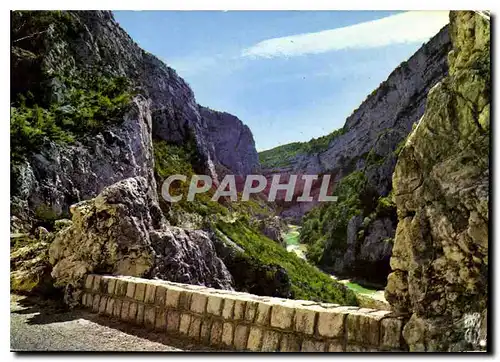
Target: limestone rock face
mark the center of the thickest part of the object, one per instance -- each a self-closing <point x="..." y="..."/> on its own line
<point x="60" y="176"/>
<point x="233" y="141"/>
<point x="380" y="123"/>
<point x="441" y="187"/>
<point x="188" y="256"/>
<point x="122" y="231"/>
<point x="369" y="143"/>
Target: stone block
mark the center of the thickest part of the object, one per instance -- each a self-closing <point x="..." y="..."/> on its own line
<point x="160" y="319"/>
<point x="240" y="337"/>
<point x="227" y="334"/>
<point x="102" y="304"/>
<point x="140" y="290"/>
<point x="227" y="309"/>
<point x="198" y="303"/>
<point x="270" y="341"/>
<point x="195" y="327"/>
<point x="336" y="346"/>
<point x="362" y="329"/>
<point x="184" y="323"/>
<point x="173" y="318"/>
<point x="263" y="314"/>
<point x="391" y="329"/>
<point x="140" y="314"/>
<point x="310" y="345"/>
<point x="282" y="316"/>
<point x="111" y="286"/>
<point x="304" y="320"/>
<point x="117" y="310"/>
<point x="216" y="333"/>
<point x="172" y="298"/>
<point x="206" y="324"/>
<point x="331" y="323"/>
<point x="125" y="311"/>
<point x="149" y="297"/>
<point x="255" y="337"/>
<point x="130" y="289"/>
<point x="132" y="312"/>
<point x="214" y="305"/>
<point x="96" y="285"/>
<point x="290" y="343"/>
<point x="185" y="300"/>
<point x="103" y="286"/>
<point x="121" y="288"/>
<point x="89" y="282"/>
<point x="110" y="307"/>
<point x="95" y="303"/>
<point x="87" y="300"/>
<point x="251" y="311"/>
<point x="161" y="295"/>
<point x="239" y="309"/>
<point x="356" y="348"/>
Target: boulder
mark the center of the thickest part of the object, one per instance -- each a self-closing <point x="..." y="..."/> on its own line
<point x="122" y="231"/>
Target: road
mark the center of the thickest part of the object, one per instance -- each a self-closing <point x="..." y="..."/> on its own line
<point x="44" y="326"/>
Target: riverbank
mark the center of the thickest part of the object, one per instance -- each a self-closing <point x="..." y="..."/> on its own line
<point x="368" y="297"/>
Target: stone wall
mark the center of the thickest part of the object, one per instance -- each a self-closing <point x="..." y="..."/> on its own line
<point x="239" y="321"/>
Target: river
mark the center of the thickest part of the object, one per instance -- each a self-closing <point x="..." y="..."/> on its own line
<point x="293" y="245"/>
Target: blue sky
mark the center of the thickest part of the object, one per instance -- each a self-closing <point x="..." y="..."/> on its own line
<point x="289" y="75"/>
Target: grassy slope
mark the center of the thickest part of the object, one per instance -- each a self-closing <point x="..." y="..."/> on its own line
<point x="308" y="282"/>
<point x="282" y="155"/>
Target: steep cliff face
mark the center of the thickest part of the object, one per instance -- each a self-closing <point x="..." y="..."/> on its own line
<point x="380" y="123"/>
<point x="354" y="236"/>
<point x="441" y="188"/>
<point x="233" y="142"/>
<point x="51" y="47"/>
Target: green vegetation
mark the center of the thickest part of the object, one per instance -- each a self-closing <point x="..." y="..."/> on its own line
<point x="282" y="155"/>
<point x="234" y="221"/>
<point x="358" y="289"/>
<point x="57" y="103"/>
<point x="327" y="223"/>
<point x="171" y="159"/>
<point x="90" y="104"/>
<point x="307" y="281"/>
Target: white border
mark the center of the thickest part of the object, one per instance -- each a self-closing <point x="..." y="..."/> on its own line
<point x="198" y="5"/>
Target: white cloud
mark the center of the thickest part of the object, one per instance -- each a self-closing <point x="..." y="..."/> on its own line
<point x="408" y="27"/>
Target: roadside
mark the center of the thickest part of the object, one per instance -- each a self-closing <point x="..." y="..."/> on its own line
<point x="41" y="325"/>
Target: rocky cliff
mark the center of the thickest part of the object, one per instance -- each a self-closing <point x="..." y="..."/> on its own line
<point x="354" y="236"/>
<point x="232" y="140"/>
<point x="441" y="188"/>
<point x="54" y="50"/>
<point x="96" y="125"/>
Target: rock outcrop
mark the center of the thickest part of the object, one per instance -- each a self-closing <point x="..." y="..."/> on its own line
<point x="45" y="186"/>
<point x="232" y="140"/>
<point x="122" y="232"/>
<point x="441" y="188"/>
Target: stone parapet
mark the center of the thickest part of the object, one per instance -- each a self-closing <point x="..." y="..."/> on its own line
<point x="241" y="321"/>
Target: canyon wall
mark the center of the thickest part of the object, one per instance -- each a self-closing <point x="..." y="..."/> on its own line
<point x="50" y="47"/>
<point x="355" y="238"/>
<point x="441" y="188"/>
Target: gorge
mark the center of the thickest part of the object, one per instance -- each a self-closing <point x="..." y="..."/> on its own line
<point x="98" y="124"/>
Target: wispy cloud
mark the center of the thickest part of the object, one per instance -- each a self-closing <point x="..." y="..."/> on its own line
<point x="408" y="27"/>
